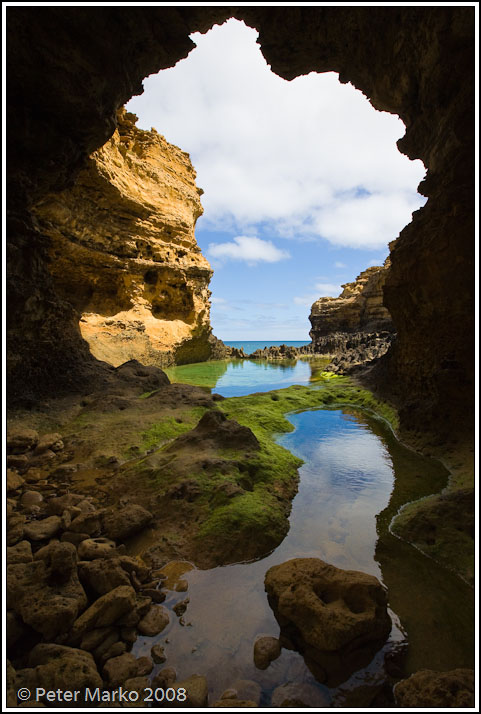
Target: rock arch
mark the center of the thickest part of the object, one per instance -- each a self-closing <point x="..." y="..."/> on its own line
<point x="70" y="68"/>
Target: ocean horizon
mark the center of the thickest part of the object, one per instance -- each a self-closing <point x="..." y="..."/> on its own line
<point x="250" y="346"/>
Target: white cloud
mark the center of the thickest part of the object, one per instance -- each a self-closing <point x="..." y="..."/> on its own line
<point x="310" y="158"/>
<point x="328" y="290"/>
<point x="306" y="300"/>
<point x="248" y="248"/>
<point x="322" y="290"/>
<point x="338" y="264"/>
<point x="218" y="301"/>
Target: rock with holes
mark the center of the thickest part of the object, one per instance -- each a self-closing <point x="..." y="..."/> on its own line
<point x="95" y="576"/>
<point x="124" y="522"/>
<point x="62" y="667"/>
<point x="92" y="548"/>
<point x="46" y="592"/>
<point x="436" y="689"/>
<point x="335" y="618"/>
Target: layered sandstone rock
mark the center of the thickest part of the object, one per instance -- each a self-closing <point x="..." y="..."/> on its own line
<point x="355" y="327"/>
<point x="359" y="308"/>
<point x="123" y="250"/>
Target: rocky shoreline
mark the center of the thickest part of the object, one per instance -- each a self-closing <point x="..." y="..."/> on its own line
<point x="78" y="599"/>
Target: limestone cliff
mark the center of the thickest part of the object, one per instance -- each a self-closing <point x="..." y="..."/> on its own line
<point x="123" y="250"/>
<point x="359" y="308"/>
<point x="355" y="328"/>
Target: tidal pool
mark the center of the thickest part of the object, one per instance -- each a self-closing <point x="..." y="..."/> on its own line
<point x="237" y="378"/>
<point x="355" y="476"/>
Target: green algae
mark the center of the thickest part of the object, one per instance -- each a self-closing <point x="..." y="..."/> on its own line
<point x="202" y="374"/>
<point x="264" y="413"/>
<point x="170" y="427"/>
<point x="262" y="513"/>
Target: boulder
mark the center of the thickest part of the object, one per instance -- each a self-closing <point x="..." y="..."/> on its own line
<point x="141" y="608"/>
<point x="44" y="529"/>
<point x="144" y="666"/>
<point x="137" y="684"/>
<point x="101" y="576"/>
<point x="56" y="506"/>
<point x="197" y="692"/>
<point x="75" y="538"/>
<point x="436" y="689"/>
<point x="234" y="703"/>
<point x="266" y="649"/>
<point x="336" y="618"/>
<point x="49" y="441"/>
<point x="247" y="689"/>
<point x="61" y="560"/>
<point x="158" y="655"/>
<point x="15" y="528"/>
<point x="92" y="639"/>
<point x="19" y="553"/>
<point x="165" y="678"/>
<point x="300" y="695"/>
<point x="20" y="440"/>
<point x="18" y="461"/>
<point x="87" y="523"/>
<point x="15" y="628"/>
<point x="130" y="565"/>
<point x="106" y="610"/>
<point x="124" y="522"/>
<point x="59" y="667"/>
<point x="14" y="481"/>
<point x="118" y="669"/>
<point x="46" y="592"/>
<point x="31" y="498"/>
<point x="156" y="620"/>
<point x="109" y="650"/>
<point x="92" y="548"/>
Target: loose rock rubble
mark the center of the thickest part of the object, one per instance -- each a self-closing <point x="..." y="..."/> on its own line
<point x="75" y="601"/>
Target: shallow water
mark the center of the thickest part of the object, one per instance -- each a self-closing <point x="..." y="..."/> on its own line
<point x="237" y="378"/>
<point x="355" y="476"/>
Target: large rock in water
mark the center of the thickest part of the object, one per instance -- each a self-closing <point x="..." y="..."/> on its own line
<point x="336" y="618"/>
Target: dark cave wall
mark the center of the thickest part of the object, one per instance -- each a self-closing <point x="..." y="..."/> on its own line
<point x="69" y="69"/>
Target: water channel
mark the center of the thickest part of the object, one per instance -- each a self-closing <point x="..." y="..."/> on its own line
<point x="355" y="477"/>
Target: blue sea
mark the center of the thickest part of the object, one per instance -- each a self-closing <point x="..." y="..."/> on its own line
<point x="251" y="346"/>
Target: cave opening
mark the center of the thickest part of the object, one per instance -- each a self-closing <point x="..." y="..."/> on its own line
<point x="417" y="64"/>
<point x="70" y="71"/>
<point x="303" y="186"/>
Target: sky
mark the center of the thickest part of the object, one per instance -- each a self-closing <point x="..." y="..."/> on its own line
<point x="304" y="186"/>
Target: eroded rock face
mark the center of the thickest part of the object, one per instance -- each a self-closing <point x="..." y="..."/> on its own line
<point x="359" y="308"/>
<point x="335" y="618"/>
<point x="124" y="253"/>
<point x="355" y="328"/>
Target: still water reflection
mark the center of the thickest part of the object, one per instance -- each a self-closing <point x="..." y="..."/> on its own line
<point x="237" y="378"/>
<point x="346" y="480"/>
